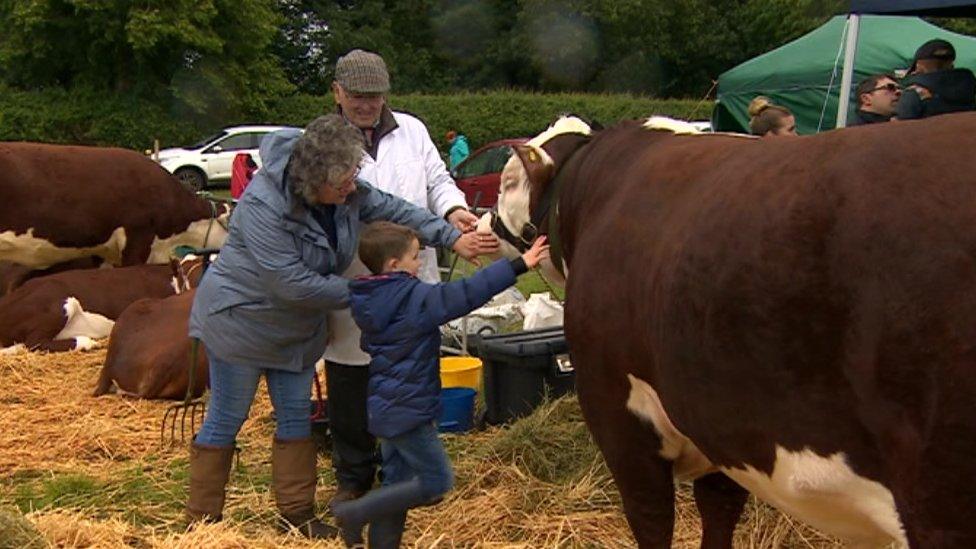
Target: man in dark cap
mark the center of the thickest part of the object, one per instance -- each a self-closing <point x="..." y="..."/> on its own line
<point x="934" y="86"/>
<point x="402" y="160"/>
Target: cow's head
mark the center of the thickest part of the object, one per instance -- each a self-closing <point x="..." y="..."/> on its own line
<point x="526" y="192"/>
<point x="188" y="270"/>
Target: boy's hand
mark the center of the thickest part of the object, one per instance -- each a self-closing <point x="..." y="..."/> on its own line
<point x="472" y="244"/>
<point x="535" y="254"/>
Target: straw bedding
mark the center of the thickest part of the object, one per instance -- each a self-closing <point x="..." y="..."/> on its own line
<point x="538" y="483"/>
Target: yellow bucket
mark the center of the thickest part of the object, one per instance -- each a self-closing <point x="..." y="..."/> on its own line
<point x="461" y="371"/>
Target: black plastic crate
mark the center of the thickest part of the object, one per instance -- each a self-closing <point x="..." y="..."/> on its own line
<point x="520" y="368"/>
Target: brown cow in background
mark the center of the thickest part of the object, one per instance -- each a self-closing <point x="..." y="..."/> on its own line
<point x="149" y="349"/>
<point x="66" y="311"/>
<point x="60" y="203"/>
<point x="13" y="275"/>
<point x="797" y="314"/>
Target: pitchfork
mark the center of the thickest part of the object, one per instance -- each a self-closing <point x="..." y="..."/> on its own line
<point x="190" y="406"/>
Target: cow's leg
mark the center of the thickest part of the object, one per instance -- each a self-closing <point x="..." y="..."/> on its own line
<point x="56" y="345"/>
<point x="104" y="384"/>
<point x="42" y="339"/>
<point x="630" y="447"/>
<point x="137" y="247"/>
<point x="720" y="502"/>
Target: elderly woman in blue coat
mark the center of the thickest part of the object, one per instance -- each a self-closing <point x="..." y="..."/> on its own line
<point x="261" y="308"/>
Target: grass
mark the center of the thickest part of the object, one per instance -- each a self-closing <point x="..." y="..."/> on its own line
<point x="528" y="283"/>
<point x="219" y="192"/>
<point x="17" y="532"/>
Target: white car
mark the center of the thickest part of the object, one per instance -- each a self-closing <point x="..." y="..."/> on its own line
<point x="198" y="165"/>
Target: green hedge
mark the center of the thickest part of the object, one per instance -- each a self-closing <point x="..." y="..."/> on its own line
<point x="89" y="118"/>
<point x="488" y="116"/>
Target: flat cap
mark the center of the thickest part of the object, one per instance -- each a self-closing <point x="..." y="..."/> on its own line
<point x="360" y="71"/>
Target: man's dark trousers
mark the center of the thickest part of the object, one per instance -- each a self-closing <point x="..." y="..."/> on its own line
<point x="354" y="450"/>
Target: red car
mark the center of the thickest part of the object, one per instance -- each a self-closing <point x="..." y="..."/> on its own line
<point x="482" y="171"/>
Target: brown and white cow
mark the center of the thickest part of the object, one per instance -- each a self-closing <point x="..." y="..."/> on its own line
<point x="13" y="275"/>
<point x="149" y="351"/>
<point x="65" y="202"/>
<point x="68" y="310"/>
<point x="796" y="313"/>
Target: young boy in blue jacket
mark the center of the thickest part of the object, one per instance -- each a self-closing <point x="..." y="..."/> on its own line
<point x="400" y="318"/>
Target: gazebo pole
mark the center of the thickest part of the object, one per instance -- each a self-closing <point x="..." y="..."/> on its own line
<point x="843" y="103"/>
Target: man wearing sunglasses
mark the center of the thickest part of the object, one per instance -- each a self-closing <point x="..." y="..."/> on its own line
<point x="934" y="85"/>
<point x="877" y="99"/>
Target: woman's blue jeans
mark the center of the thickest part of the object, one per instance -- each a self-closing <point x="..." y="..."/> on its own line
<point x="232" y="389"/>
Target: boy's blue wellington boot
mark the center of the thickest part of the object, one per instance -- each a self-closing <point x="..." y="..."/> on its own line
<point x="352" y="516"/>
<point x="385" y="532"/>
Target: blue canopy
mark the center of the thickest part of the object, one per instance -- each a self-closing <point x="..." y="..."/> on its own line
<point x="940" y="8"/>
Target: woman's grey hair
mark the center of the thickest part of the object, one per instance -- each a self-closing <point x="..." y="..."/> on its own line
<point x="329" y="149"/>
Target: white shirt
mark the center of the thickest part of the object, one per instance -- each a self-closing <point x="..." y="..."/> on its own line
<point x="407" y="165"/>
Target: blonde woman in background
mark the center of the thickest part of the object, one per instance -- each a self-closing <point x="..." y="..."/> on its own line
<point x="769" y="119"/>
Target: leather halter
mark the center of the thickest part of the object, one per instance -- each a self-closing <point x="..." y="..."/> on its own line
<point x="543" y="219"/>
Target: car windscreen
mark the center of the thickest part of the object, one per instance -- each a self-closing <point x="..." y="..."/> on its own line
<point x="205" y="142"/>
<point x="489" y="161"/>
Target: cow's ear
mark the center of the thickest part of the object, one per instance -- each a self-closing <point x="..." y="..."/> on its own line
<point x="537" y="169"/>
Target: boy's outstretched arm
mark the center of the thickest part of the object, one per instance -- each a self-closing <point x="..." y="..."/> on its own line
<point x="447" y="301"/>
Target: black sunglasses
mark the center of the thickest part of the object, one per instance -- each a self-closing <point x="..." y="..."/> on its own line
<point x="892" y="87"/>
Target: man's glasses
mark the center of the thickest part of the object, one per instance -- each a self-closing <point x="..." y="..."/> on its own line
<point x="890" y="87"/>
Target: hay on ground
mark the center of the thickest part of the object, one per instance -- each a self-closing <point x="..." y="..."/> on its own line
<point x="537" y="483"/>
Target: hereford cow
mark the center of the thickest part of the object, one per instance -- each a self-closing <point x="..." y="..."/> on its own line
<point x="149" y="350"/>
<point x="13" y="275"/>
<point x="61" y="203"/>
<point x="68" y="310"/>
<point x="796" y="313"/>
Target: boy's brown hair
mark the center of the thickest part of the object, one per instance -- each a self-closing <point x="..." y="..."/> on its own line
<point x="384" y="240"/>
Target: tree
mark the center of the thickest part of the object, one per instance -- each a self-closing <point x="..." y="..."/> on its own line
<point x="300" y="44"/>
<point x="206" y="53"/>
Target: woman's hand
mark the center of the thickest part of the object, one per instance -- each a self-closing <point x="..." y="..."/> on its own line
<point x="535" y="254"/>
<point x="472" y="244"/>
<point x="463" y="220"/>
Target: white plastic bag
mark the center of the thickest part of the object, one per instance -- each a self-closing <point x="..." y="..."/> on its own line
<point x="542" y="311"/>
<point x="503" y="310"/>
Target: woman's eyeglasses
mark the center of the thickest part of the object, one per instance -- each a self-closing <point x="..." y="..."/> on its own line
<point x="347" y="182"/>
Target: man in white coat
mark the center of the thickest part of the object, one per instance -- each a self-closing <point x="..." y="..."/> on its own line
<point x="402" y="160"/>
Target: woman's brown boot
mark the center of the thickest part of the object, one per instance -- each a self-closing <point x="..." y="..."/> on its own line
<point x="209" y="471"/>
<point x="293" y="476"/>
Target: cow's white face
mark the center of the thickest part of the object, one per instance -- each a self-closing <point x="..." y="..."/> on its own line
<point x="531" y="165"/>
<point x="202" y="233"/>
<point x="513" y="201"/>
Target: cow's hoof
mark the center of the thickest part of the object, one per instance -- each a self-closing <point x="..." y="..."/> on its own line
<point x="85" y="343"/>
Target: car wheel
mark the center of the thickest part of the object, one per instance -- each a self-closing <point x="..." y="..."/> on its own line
<point x="191" y="178"/>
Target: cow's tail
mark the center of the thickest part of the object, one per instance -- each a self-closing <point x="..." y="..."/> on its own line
<point x="104" y="382"/>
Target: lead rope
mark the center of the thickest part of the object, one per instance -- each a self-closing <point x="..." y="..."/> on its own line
<point x="549" y="287"/>
<point x="213" y="218"/>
